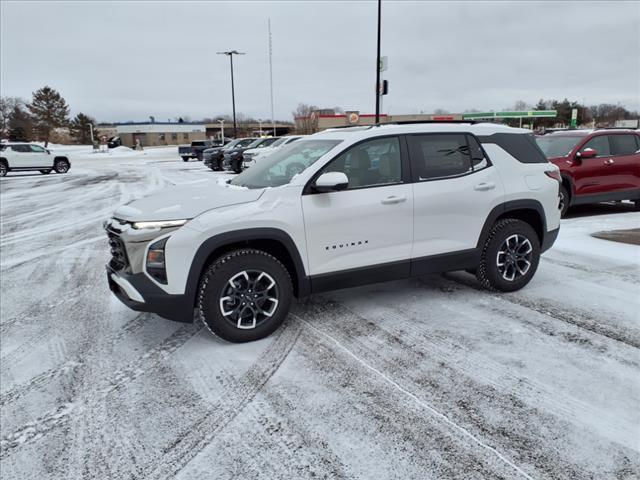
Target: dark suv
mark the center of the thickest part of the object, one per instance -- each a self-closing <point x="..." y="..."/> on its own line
<point x="595" y="165"/>
<point x="233" y="159"/>
<point x="213" y="157"/>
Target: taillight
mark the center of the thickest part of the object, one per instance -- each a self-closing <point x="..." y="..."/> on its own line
<point x="555" y="174"/>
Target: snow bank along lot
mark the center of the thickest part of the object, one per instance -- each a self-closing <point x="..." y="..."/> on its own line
<point x="424" y="378"/>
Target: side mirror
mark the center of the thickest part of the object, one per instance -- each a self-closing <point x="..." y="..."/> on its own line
<point x="587" y="153"/>
<point x="331" y="182"/>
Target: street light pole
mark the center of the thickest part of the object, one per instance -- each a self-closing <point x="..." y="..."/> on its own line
<point x="230" y="54"/>
<point x="221" y="130"/>
<point x="378" y="65"/>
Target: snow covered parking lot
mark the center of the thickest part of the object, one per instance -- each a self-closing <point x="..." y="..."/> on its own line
<point x="424" y="378"/>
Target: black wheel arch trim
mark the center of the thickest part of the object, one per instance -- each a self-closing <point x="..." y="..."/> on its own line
<point x="510" y="206"/>
<point x="209" y="246"/>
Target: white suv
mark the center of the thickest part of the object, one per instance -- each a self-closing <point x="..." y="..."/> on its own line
<point x="28" y="156"/>
<point x="340" y="208"/>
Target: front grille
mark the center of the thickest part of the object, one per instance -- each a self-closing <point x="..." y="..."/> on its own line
<point x="119" y="260"/>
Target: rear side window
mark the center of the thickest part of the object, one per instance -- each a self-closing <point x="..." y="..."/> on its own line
<point x="522" y="147"/>
<point x="623" y="144"/>
<point x="436" y="156"/>
<point x="21" y="148"/>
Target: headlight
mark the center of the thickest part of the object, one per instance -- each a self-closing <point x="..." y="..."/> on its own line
<point x="159" y="224"/>
<point x="155" y="264"/>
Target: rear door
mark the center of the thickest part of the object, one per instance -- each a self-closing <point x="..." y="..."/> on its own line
<point x="369" y="224"/>
<point x="21" y="156"/>
<point x="625" y="160"/>
<point x="455" y="188"/>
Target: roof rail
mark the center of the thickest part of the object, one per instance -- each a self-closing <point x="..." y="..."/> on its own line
<point x="614" y="128"/>
<point x="411" y="122"/>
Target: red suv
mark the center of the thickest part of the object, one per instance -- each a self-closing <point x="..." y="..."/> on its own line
<point x="596" y="165"/>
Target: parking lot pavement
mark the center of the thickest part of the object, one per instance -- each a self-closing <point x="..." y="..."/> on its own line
<point x="425" y="378"/>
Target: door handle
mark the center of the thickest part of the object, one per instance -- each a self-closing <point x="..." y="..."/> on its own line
<point x="481" y="187"/>
<point x="392" y="199"/>
<point x="609" y="162"/>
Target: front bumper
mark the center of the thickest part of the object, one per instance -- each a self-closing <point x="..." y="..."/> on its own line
<point x="138" y="293"/>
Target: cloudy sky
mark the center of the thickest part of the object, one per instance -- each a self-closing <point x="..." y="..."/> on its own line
<point x="127" y="60"/>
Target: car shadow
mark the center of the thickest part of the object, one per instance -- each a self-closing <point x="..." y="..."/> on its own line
<point x="599" y="209"/>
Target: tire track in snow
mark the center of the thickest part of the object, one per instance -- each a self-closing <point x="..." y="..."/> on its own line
<point x="434" y="412"/>
<point x="501" y="418"/>
<point x="191" y="441"/>
<point x="58" y="417"/>
<point x="580" y="318"/>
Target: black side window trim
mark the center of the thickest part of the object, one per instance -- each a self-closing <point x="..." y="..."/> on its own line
<point x="405" y="172"/>
<point x="503" y="140"/>
<point x="417" y="179"/>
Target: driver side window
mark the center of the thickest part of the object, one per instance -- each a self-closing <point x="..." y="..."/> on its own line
<point x="600" y="144"/>
<point x="369" y="164"/>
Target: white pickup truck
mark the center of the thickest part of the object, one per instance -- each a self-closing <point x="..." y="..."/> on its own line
<point x="28" y="156"/>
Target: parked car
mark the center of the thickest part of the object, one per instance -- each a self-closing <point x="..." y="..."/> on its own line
<point x="250" y="156"/>
<point x="213" y="157"/>
<point x="481" y="198"/>
<point x="114" y="142"/>
<point x="196" y="148"/>
<point x="595" y="165"/>
<point x="15" y="156"/>
<point x="233" y="158"/>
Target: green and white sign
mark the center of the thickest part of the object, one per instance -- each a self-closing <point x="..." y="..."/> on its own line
<point x="515" y="114"/>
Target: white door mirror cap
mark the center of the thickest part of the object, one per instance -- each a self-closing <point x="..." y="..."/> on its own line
<point x="331" y="181"/>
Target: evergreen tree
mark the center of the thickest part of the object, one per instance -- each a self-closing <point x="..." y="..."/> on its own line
<point x="49" y="111"/>
<point x="20" y="126"/>
<point x="80" y="129"/>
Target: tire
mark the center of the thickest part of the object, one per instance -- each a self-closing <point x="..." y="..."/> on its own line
<point x="238" y="167"/>
<point x="185" y="159"/>
<point x="45" y="172"/>
<point x="564" y="201"/>
<point x="519" y="242"/>
<point x="636" y="203"/>
<point x="242" y="267"/>
<point x="61" y="166"/>
<point x="3" y="169"/>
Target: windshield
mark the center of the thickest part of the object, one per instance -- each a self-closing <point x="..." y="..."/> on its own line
<point x="282" y="165"/>
<point x="557" y="146"/>
<point x="240" y="142"/>
<point x="279" y="142"/>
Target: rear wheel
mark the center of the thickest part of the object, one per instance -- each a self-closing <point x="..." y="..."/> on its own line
<point x="244" y="295"/>
<point x="45" y="172"/>
<point x="185" y="159"/>
<point x="510" y="256"/>
<point x="3" y="169"/>
<point x="61" y="166"/>
<point x="564" y="200"/>
<point x="637" y="204"/>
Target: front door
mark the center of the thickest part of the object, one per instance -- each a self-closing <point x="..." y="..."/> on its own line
<point x="369" y="224"/>
<point x="595" y="175"/>
<point x="40" y="157"/>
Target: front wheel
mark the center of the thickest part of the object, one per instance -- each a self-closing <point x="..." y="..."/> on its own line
<point x="510" y="256"/>
<point x="3" y="169"/>
<point x="244" y="295"/>
<point x="185" y="159"/>
<point x="61" y="166"/>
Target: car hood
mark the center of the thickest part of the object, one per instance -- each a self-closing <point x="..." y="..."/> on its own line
<point x="185" y="201"/>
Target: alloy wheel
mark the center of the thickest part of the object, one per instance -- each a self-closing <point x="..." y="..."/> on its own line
<point x="514" y="257"/>
<point x="249" y="298"/>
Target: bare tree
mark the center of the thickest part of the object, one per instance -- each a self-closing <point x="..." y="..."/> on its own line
<point x="305" y="118"/>
<point x="7" y="106"/>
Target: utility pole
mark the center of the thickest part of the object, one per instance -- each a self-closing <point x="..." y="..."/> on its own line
<point x="221" y="130"/>
<point x="378" y="65"/>
<point x="273" y="120"/>
<point x="230" y="54"/>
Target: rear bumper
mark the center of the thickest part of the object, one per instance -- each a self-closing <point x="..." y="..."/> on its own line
<point x="549" y="239"/>
<point x="139" y="293"/>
